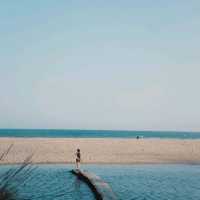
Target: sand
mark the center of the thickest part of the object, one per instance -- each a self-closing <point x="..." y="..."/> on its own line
<point x="101" y="151"/>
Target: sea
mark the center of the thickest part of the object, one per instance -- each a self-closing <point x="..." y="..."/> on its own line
<point x="53" y="133"/>
<point x="128" y="182"/>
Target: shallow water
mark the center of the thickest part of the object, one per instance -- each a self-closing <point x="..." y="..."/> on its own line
<point x="50" y="182"/>
<point x="153" y="182"/>
<point x="129" y="182"/>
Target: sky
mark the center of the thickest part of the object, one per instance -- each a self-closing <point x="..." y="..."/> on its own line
<point x="131" y="65"/>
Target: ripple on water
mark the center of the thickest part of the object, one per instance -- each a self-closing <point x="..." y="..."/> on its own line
<point x="139" y="182"/>
<point x="50" y="182"/>
<point x="152" y="182"/>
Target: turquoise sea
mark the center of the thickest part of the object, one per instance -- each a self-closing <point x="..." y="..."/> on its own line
<point x="53" y="133"/>
<point x="129" y="182"/>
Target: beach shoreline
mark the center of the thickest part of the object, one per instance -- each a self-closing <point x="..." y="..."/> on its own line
<point x="101" y="150"/>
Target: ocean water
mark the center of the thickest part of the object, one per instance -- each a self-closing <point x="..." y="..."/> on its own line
<point x="129" y="182"/>
<point x="97" y="134"/>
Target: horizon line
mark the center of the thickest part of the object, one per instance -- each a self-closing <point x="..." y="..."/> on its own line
<point x="117" y="130"/>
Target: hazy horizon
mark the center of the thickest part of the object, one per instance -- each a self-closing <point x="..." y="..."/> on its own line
<point x="124" y="65"/>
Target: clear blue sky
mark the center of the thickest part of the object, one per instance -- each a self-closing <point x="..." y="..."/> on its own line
<point x="100" y="64"/>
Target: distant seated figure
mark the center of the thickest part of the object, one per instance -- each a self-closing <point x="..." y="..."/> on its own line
<point x="78" y="158"/>
<point x="137" y="137"/>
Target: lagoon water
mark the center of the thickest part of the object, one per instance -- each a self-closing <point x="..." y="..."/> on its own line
<point x="50" y="133"/>
<point x="129" y="182"/>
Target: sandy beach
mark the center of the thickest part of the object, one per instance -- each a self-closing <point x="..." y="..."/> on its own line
<point x="101" y="151"/>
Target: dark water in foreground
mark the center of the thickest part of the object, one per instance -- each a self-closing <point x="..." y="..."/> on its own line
<point x="129" y="182"/>
<point x="96" y="134"/>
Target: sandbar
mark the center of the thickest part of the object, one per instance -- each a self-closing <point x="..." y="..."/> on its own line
<point x="101" y="150"/>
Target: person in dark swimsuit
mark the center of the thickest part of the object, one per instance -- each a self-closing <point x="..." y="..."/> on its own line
<point x="78" y="158"/>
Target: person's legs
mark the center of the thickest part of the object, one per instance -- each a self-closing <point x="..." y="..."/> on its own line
<point x="76" y="164"/>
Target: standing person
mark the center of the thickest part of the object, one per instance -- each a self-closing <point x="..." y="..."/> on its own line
<point x="78" y="158"/>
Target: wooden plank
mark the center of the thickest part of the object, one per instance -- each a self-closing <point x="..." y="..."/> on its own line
<point x="101" y="189"/>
